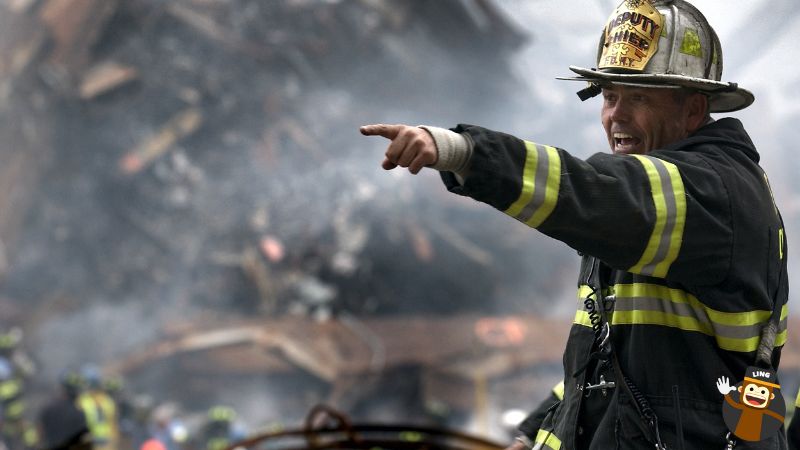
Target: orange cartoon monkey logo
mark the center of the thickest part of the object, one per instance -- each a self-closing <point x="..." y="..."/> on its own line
<point x="756" y="409"/>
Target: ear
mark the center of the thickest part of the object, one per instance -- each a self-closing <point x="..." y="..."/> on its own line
<point x="772" y="396"/>
<point x="739" y="389"/>
<point x="697" y="110"/>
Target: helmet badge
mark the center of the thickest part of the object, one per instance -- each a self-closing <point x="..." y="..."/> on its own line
<point x="631" y="36"/>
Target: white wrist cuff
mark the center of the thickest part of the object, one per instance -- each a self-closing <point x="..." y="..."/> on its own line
<point x="455" y="150"/>
<point x="524" y="440"/>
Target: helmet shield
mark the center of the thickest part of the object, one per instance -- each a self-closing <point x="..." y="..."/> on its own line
<point x="631" y="36"/>
<point x="662" y="43"/>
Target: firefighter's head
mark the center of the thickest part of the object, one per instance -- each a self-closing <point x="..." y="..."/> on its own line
<point x="661" y="46"/>
<point x="113" y="384"/>
<point x="758" y="388"/>
<point x="71" y="382"/>
<point x="92" y="377"/>
<point x="659" y="65"/>
<point x="220" y="414"/>
<point x="638" y="120"/>
<point x="9" y="339"/>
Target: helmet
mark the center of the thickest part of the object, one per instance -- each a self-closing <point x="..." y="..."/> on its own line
<point x="71" y="381"/>
<point x="662" y="43"/>
<point x="10" y="339"/>
<point x="113" y="384"/>
<point x="6" y="370"/>
<point x="221" y="414"/>
<point x="92" y="378"/>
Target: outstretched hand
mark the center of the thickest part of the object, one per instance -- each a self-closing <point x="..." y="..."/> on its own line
<point x="411" y="147"/>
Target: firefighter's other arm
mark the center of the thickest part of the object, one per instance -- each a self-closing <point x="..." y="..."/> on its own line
<point x="423" y="146"/>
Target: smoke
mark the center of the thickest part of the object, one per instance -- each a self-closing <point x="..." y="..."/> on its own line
<point x="111" y="260"/>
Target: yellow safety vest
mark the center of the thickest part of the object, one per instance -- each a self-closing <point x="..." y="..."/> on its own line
<point x="101" y="415"/>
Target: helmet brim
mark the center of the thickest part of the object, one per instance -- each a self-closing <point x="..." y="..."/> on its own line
<point x="722" y="97"/>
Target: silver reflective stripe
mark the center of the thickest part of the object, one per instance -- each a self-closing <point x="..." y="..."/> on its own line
<point x="669" y="226"/>
<point x="541" y="180"/>
<point x="652" y="304"/>
<point x="669" y="200"/>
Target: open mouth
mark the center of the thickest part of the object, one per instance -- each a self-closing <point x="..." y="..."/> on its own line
<point x="753" y="401"/>
<point x="625" y="143"/>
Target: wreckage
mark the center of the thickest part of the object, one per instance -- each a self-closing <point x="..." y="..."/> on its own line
<point x="183" y="199"/>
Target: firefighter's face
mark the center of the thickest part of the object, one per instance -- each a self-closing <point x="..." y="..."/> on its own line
<point x="638" y="120"/>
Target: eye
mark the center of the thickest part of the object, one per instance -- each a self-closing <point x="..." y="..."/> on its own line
<point x="751" y="388"/>
<point x="764" y="392"/>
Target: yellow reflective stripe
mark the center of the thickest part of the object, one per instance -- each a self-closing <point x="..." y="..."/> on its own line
<point x="669" y="199"/>
<point x="541" y="181"/>
<point x="748" y="344"/>
<point x="780" y="243"/>
<point x="217" y="443"/>
<point x="660" y="318"/>
<point x="673" y="295"/>
<point x="100" y="412"/>
<point x="582" y="318"/>
<point x="546" y="440"/>
<point x="9" y="389"/>
<point x="651" y="304"/>
<point x="661" y="219"/>
<point x="30" y="436"/>
<point x="14" y="409"/>
<point x="676" y="235"/>
<point x="581" y="315"/>
<point x="797" y="401"/>
<point x="558" y="390"/>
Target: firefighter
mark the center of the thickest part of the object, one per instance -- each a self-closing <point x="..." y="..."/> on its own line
<point x="129" y="427"/>
<point x="99" y="409"/>
<point x="221" y="429"/>
<point x="61" y="421"/>
<point x="683" y="272"/>
<point x="15" y="367"/>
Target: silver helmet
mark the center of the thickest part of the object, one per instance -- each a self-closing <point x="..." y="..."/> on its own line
<point x="662" y="43"/>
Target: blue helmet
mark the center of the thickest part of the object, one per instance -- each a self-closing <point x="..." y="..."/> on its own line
<point x="92" y="377"/>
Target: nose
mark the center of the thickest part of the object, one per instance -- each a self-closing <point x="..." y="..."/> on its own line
<point x="619" y="111"/>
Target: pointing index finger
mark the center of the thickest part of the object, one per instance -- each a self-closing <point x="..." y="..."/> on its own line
<point x="380" y="129"/>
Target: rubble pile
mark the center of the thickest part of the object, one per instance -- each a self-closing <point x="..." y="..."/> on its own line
<point x="196" y="162"/>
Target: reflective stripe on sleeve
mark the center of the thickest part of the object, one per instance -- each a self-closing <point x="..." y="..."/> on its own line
<point x="652" y="304"/>
<point x="669" y="198"/>
<point x="541" y="180"/>
<point x="546" y="440"/>
<point x="558" y="390"/>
